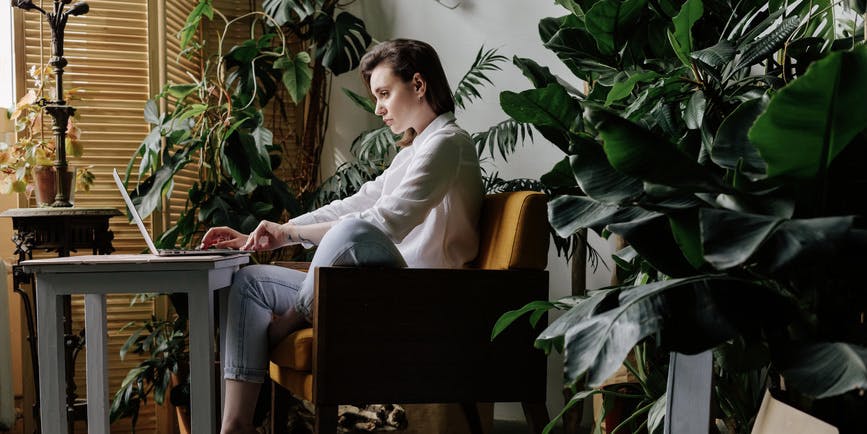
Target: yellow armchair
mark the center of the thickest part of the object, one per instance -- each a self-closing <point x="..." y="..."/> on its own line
<point x="423" y="335"/>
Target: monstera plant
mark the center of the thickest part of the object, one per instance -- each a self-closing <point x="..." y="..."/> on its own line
<point x="724" y="141"/>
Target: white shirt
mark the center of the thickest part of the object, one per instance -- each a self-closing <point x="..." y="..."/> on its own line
<point x="428" y="201"/>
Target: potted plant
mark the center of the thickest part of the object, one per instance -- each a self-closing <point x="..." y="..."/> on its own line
<point x="27" y="164"/>
<point x="722" y="141"/>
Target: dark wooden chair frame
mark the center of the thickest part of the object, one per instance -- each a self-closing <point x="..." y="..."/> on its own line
<point x="424" y="336"/>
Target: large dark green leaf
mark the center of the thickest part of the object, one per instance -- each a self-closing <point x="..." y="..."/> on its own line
<point x="732" y="148"/>
<point x="624" y="87"/>
<point x="806" y="242"/>
<point x="346" y="42"/>
<point x="551" y="106"/>
<point x="541" y="76"/>
<point x="291" y="11"/>
<point x="827" y="369"/>
<point x="755" y="51"/>
<point x="651" y="236"/>
<point x="609" y="21"/>
<point x="578" y="51"/>
<point x="560" y="176"/>
<point x="365" y="103"/>
<point x="637" y="152"/>
<point x="810" y="121"/>
<point x="552" y="337"/>
<point x="598" y="179"/>
<point x="573" y="7"/>
<point x="568" y="214"/>
<point x="297" y="74"/>
<point x="719" y="54"/>
<point x="681" y="38"/>
<point x="597" y="345"/>
<point x="730" y="238"/>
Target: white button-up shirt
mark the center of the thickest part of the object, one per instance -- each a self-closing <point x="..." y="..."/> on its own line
<point x="428" y="201"/>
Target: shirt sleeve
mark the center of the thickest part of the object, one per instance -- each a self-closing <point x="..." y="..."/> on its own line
<point x="427" y="180"/>
<point x="366" y="196"/>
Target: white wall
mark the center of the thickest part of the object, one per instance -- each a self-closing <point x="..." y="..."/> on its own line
<point x="511" y="27"/>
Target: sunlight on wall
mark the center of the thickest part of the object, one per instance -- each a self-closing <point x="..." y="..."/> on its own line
<point x="6" y="82"/>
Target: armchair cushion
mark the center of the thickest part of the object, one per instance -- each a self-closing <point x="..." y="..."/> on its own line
<point x="295" y="351"/>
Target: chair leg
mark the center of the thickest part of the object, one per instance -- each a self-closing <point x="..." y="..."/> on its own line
<point x="536" y="414"/>
<point x="326" y="419"/>
<point x="279" y="409"/>
<point x="474" y="421"/>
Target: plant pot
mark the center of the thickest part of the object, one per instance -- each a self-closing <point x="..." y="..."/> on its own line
<point x="44" y="180"/>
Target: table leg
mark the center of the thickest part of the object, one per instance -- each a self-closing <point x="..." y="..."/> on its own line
<point x="97" y="363"/>
<point x="52" y="360"/>
<point x="202" y="396"/>
<point x="223" y="307"/>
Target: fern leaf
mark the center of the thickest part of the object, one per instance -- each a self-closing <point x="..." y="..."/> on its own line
<point x="467" y="89"/>
<point x="504" y="136"/>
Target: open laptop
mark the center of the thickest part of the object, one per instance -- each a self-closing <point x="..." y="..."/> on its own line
<point x="144" y="233"/>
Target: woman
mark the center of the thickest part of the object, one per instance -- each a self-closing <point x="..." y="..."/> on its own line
<point x="421" y="212"/>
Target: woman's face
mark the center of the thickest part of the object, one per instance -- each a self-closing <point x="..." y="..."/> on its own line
<point x="397" y="102"/>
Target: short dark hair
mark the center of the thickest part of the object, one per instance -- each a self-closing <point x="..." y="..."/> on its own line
<point x="406" y="57"/>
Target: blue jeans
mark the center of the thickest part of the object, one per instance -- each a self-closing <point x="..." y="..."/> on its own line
<point x="260" y="291"/>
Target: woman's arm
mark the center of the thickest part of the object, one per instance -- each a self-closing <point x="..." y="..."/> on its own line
<point x="269" y="235"/>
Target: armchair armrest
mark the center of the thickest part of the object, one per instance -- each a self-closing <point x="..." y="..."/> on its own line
<point x="428" y="328"/>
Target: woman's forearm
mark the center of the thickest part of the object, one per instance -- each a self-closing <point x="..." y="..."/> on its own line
<point x="307" y="234"/>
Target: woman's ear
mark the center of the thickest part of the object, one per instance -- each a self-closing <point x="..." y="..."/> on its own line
<point x="419" y="85"/>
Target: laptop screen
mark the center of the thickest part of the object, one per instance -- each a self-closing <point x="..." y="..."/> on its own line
<point x="134" y="213"/>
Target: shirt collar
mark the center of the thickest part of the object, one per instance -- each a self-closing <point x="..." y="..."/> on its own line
<point x="439" y="122"/>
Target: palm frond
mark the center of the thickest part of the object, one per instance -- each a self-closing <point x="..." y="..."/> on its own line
<point x="505" y="136"/>
<point x="375" y="145"/>
<point x="475" y="78"/>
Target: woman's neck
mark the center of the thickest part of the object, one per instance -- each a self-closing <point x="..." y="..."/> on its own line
<point x="425" y="117"/>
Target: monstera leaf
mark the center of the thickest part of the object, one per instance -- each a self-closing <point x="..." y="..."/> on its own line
<point x="342" y="41"/>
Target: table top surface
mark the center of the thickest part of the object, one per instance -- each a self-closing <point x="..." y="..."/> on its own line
<point x="60" y="212"/>
<point x="99" y="263"/>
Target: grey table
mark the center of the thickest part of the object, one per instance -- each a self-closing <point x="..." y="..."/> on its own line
<point x="96" y="276"/>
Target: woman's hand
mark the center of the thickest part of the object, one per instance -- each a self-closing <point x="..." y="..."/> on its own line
<point x="223" y="238"/>
<point x="269" y="236"/>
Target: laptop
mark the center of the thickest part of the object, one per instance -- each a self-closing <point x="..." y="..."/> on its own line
<point x="144" y="233"/>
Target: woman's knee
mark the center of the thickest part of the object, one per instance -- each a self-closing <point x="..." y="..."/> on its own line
<point x="354" y="230"/>
<point x="246" y="283"/>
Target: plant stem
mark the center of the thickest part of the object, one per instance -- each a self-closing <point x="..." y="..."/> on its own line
<point x="632" y="417"/>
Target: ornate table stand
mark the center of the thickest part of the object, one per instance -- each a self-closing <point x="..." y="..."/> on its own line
<point x="63" y="231"/>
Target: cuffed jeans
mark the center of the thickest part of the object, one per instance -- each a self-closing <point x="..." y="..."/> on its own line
<point x="260" y="291"/>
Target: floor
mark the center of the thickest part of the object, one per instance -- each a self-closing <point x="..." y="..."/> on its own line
<point x="516" y="427"/>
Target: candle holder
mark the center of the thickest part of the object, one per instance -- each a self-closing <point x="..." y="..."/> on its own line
<point x="57" y="108"/>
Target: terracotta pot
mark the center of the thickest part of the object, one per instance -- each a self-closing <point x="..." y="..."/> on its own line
<point x="44" y="178"/>
<point x="183" y="413"/>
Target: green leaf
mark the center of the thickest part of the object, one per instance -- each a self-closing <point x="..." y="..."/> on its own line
<point x="694" y="113"/>
<point x="560" y="176"/>
<point x="730" y="238"/>
<point x="681" y="38"/>
<point x="568" y="214"/>
<point x="826" y="369"/>
<point x="504" y="136"/>
<point x="468" y="87"/>
<point x="651" y="236"/>
<point x="573" y="7"/>
<point x="553" y="336"/>
<point x="598" y="179"/>
<point x="152" y="113"/>
<point x="365" y="103"/>
<point x="732" y="148"/>
<point x="687" y="234"/>
<point x="719" y="54"/>
<point x="180" y="91"/>
<point x="579" y="52"/>
<point x="347" y="40"/>
<point x="511" y="316"/>
<point x="810" y="121"/>
<point x="623" y="88"/>
<point x="656" y="415"/>
<point x="297" y="74"/>
<point x="757" y="50"/>
<point x="609" y="21"/>
<point x="291" y="11"/>
<point x="551" y="106"/>
<point x="637" y="152"/>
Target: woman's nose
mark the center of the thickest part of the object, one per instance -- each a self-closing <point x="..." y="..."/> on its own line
<point x="380" y="110"/>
